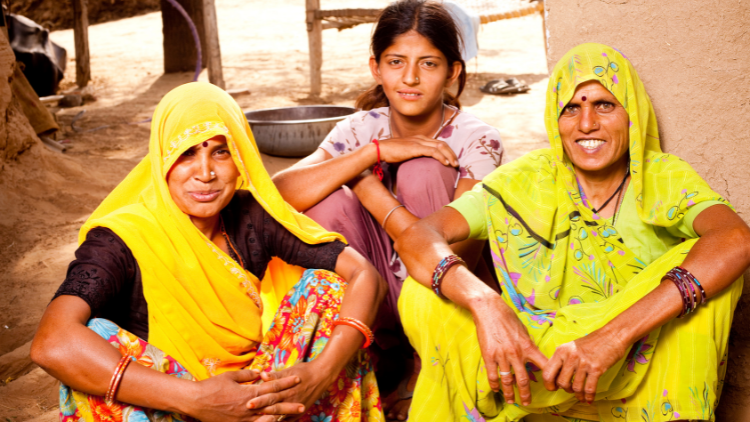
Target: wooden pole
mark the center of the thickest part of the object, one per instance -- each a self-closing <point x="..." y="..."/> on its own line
<point x="81" y="34"/>
<point x="179" y="48"/>
<point x="213" y="50"/>
<point x="4" y="24"/>
<point x="315" y="44"/>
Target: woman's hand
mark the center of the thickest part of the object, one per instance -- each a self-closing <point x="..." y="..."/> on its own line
<point x="315" y="380"/>
<point x="401" y="149"/>
<point x="505" y="345"/>
<point x="225" y="398"/>
<point x="587" y="358"/>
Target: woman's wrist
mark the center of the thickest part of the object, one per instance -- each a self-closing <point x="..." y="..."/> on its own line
<point x="187" y="398"/>
<point x="369" y="154"/>
<point x="463" y="288"/>
<point x="480" y="304"/>
<point x="329" y="368"/>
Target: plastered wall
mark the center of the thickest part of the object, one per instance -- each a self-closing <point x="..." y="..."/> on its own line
<point x="694" y="59"/>
<point x="16" y="133"/>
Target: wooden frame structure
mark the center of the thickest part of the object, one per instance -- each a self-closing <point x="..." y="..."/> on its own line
<point x="210" y="37"/>
<point x="318" y="19"/>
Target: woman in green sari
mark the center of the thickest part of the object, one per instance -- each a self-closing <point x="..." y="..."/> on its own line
<point x="598" y="244"/>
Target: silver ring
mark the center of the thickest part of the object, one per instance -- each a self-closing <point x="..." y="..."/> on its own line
<point x="502" y="374"/>
<point x="213" y="173"/>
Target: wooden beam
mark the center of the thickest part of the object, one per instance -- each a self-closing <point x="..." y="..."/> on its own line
<point x="81" y="34"/>
<point x="315" y="45"/>
<point x="213" y="50"/>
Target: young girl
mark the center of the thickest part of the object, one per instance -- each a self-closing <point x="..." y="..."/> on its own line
<point x="409" y="152"/>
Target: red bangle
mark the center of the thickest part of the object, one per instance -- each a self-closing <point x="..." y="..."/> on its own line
<point x="114" y="383"/>
<point x="360" y="326"/>
<point x="378" y="168"/>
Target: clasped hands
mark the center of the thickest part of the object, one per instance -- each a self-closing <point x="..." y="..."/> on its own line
<point x="507" y="348"/>
<point x="237" y="396"/>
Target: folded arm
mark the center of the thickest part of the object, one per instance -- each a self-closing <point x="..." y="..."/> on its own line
<point x="314" y="177"/>
<point x="503" y="339"/>
<point x="364" y="292"/>
<point x="717" y="259"/>
<point x="81" y="359"/>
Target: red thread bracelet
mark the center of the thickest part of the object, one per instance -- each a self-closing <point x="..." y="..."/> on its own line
<point x="378" y="168"/>
<point x="359" y="326"/>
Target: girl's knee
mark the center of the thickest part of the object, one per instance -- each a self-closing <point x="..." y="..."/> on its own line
<point x="425" y="174"/>
<point x="338" y="206"/>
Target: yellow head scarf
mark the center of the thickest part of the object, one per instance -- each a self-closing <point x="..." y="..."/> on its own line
<point x="204" y="309"/>
<point x="546" y="241"/>
<point x="649" y="167"/>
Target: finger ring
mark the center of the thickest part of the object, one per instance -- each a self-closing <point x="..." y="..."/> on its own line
<point x="502" y="374"/>
<point x="281" y="418"/>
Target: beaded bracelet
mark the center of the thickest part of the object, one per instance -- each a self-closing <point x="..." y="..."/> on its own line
<point x="360" y="326"/>
<point x="114" y="383"/>
<point x="686" y="282"/>
<point x="441" y="269"/>
<point x="694" y="280"/>
<point x="685" y="302"/>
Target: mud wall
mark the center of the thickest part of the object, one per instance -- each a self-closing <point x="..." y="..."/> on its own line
<point x="692" y="56"/>
<point x="58" y="14"/>
<point x="16" y="134"/>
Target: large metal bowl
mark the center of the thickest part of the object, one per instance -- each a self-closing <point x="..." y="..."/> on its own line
<point x="294" y="131"/>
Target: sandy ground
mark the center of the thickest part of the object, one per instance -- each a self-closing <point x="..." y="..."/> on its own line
<point x="47" y="196"/>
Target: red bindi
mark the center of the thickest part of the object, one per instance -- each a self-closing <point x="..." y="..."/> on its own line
<point x="582" y="98"/>
<point x="205" y="143"/>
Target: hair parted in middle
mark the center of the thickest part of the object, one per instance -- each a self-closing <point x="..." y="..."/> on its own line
<point x="430" y="20"/>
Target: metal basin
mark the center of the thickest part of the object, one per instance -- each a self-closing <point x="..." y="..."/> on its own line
<point x="294" y="131"/>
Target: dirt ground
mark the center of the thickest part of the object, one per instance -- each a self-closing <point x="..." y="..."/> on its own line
<point x="47" y="196"/>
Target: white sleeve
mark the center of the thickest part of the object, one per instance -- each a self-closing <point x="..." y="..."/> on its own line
<point x="482" y="154"/>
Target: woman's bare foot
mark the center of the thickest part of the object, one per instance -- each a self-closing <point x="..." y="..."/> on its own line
<point x="399" y="402"/>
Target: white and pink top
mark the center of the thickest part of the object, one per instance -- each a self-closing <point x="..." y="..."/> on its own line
<point x="476" y="144"/>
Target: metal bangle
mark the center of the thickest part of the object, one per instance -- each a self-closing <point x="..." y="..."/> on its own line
<point x="385" y="220"/>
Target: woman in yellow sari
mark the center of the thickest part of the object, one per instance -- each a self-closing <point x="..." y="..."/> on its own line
<point x="598" y="243"/>
<point x="169" y="268"/>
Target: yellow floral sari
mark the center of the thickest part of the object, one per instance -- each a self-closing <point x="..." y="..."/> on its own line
<point x="567" y="272"/>
<point x="204" y="310"/>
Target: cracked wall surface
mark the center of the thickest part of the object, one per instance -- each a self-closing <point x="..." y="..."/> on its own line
<point x="694" y="59"/>
<point x="16" y="134"/>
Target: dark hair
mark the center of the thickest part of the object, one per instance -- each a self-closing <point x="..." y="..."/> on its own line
<point x="430" y="20"/>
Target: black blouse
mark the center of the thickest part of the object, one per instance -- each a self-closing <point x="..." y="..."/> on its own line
<point x="106" y="275"/>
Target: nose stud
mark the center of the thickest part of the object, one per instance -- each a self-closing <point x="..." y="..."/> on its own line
<point x="417" y="79"/>
<point x="213" y="174"/>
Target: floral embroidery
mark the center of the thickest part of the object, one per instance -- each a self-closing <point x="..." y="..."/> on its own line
<point x="472" y="415"/>
<point x="638" y="354"/>
<point x="247" y="284"/>
<point x="211" y="364"/>
<point x="190" y="132"/>
<point x="491" y="148"/>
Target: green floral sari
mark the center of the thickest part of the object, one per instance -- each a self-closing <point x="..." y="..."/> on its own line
<point x="567" y="272"/>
